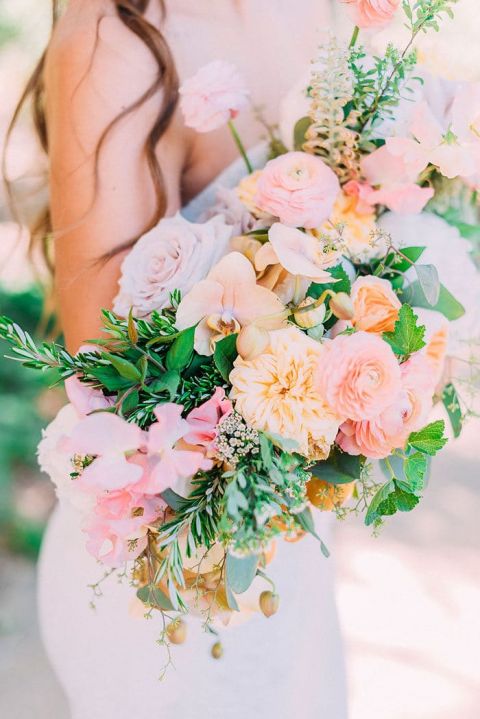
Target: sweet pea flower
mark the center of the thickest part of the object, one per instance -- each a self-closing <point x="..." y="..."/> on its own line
<point x="84" y="397"/>
<point x="372" y="13"/>
<point x="298" y="188"/>
<point x="203" y="421"/>
<point x="109" y="439"/>
<point x="358" y="375"/>
<point x="213" y="96"/>
<point x="299" y="253"/>
<point x="118" y="526"/>
<point x="228" y="299"/>
<point x="169" y="467"/>
<point x="396" y="179"/>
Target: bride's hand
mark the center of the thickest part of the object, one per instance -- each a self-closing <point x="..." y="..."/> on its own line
<point x="102" y="195"/>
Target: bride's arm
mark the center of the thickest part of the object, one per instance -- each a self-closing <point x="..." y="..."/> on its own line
<point x="95" y="69"/>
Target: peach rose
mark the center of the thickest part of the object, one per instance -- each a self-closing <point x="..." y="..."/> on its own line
<point x="372" y="13"/>
<point x="375" y="305"/>
<point x="276" y="392"/>
<point x="213" y="96"/>
<point x="358" y="375"/>
<point x="298" y="188"/>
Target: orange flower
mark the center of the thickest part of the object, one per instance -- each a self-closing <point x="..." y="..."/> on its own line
<point x="375" y="305"/>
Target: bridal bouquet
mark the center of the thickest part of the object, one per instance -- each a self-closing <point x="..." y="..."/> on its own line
<point x="257" y="362"/>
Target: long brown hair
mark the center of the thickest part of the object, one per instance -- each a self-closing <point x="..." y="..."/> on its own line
<point x="132" y="14"/>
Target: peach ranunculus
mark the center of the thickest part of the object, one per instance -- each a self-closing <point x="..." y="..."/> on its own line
<point x="227" y="300"/>
<point x="372" y="13"/>
<point x="375" y="305"/>
<point x="298" y="188"/>
<point x="213" y="96"/>
<point x="173" y="256"/>
<point x="276" y="392"/>
<point x="358" y="375"/>
<point x="378" y="437"/>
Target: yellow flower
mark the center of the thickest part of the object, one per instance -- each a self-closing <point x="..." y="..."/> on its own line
<point x="246" y="191"/>
<point x="361" y="241"/>
<point x="276" y="393"/>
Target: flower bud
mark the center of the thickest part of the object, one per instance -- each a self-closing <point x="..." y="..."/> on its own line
<point x="252" y="341"/>
<point x="177" y="631"/>
<point x="342" y="306"/>
<point x="217" y="650"/>
<point x="269" y="603"/>
<point x="308" y="318"/>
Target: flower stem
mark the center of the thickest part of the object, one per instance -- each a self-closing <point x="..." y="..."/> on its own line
<point x="240" y="146"/>
<point x="353" y="41"/>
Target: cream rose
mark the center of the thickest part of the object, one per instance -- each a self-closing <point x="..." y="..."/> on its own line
<point x="175" y="255"/>
<point x="276" y="392"/>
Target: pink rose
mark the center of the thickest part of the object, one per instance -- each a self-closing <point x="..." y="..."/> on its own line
<point x="204" y="420"/>
<point x="372" y="13"/>
<point x="358" y="375"/>
<point x="298" y="188"/>
<point x="213" y="96"/>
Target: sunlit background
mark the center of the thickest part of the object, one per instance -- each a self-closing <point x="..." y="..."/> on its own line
<point x="409" y="600"/>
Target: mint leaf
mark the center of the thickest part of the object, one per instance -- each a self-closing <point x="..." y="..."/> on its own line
<point x="452" y="405"/>
<point x="430" y="439"/>
<point x="373" y="513"/>
<point x="415" y="470"/>
<point x="407" y="337"/>
<point x="391" y="498"/>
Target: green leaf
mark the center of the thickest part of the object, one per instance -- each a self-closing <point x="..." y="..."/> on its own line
<point x="109" y="378"/>
<point x="130" y="402"/>
<point x="447" y="304"/>
<point x="180" y="353"/>
<point x="391" y="498"/>
<point x="153" y="596"/>
<point x="404" y="501"/>
<point x="429" y="282"/>
<point x="412" y="253"/>
<point x="343" y="283"/>
<point x="430" y="439"/>
<point x="299" y="132"/>
<point x="240" y="572"/>
<point x="168" y="382"/>
<point x="231" y="601"/>
<point x="305" y="520"/>
<point x="125" y="369"/>
<point x="225" y="355"/>
<point x="452" y="405"/>
<point x="339" y="468"/>
<point x="378" y="499"/>
<point x="415" y="469"/>
<point x="174" y="500"/>
<point x="132" y="330"/>
<point x="407" y="337"/>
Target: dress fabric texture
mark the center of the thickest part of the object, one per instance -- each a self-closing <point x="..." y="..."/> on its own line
<point x="109" y="663"/>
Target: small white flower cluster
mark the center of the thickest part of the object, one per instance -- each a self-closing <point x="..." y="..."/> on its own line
<point x="236" y="439"/>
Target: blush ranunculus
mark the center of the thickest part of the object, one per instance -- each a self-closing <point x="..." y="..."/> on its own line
<point x="175" y="255"/>
<point x="213" y="96"/>
<point x="375" y="305"/>
<point x="372" y="13"/>
<point x="358" y="375"/>
<point x="203" y="420"/>
<point x="298" y="188"/>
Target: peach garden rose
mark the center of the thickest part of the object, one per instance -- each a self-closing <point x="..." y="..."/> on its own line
<point x="372" y="13"/>
<point x="375" y="305"/>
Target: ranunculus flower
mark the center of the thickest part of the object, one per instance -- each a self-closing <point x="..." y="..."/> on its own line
<point x="118" y="526"/>
<point x="372" y="13"/>
<point x="298" y="188"/>
<point x="226" y="301"/>
<point x="375" y="305"/>
<point x="213" y="96"/>
<point x="203" y="420"/>
<point x="175" y="255"/>
<point x="299" y="253"/>
<point x="277" y="392"/>
<point x="358" y="375"/>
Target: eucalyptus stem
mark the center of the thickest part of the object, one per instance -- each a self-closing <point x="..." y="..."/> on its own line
<point x="240" y="146"/>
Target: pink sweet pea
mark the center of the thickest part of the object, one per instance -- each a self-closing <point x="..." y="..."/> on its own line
<point x="109" y="439"/>
<point x="213" y="96"/>
<point x="298" y="188"/>
<point x="372" y="13"/>
<point x="118" y="527"/>
<point x="84" y="397"/>
<point x="167" y="467"/>
<point x="204" y="420"/>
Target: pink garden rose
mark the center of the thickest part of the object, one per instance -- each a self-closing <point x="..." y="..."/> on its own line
<point x="213" y="96"/>
<point x="372" y="13"/>
<point x="358" y="375"/>
<point x="204" y="420"/>
<point x="299" y="189"/>
<point x="117" y="528"/>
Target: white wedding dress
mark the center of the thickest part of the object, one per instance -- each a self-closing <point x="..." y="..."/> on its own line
<point x="107" y="659"/>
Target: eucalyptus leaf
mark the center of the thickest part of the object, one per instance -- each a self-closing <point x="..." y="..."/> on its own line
<point x="174" y="500"/>
<point x="430" y="282"/>
<point x="447" y="304"/>
<point x="153" y="596"/>
<point x="240" y="572"/>
<point x="451" y="403"/>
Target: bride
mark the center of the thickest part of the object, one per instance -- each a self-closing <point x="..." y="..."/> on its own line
<point x="120" y="159"/>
